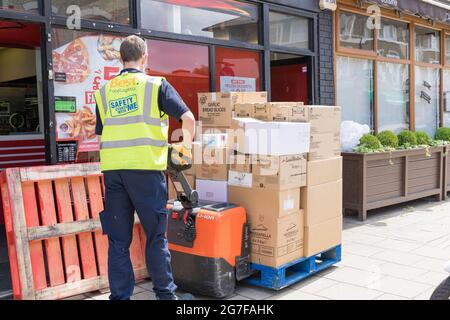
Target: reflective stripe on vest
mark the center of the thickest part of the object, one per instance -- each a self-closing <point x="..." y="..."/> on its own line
<point x="132" y="143"/>
<point x="145" y="118"/>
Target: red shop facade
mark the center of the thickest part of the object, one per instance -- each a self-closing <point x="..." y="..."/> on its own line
<point x="55" y="53"/>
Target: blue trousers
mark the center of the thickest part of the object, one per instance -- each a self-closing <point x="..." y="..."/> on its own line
<point x="145" y="192"/>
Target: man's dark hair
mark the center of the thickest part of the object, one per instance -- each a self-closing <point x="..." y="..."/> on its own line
<point x="132" y="48"/>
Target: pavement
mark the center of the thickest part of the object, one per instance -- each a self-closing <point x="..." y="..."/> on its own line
<point x="398" y="253"/>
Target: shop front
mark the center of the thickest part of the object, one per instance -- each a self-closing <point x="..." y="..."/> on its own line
<point x="393" y="64"/>
<point x="51" y="63"/>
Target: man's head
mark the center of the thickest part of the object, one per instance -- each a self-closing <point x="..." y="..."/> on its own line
<point x="133" y="52"/>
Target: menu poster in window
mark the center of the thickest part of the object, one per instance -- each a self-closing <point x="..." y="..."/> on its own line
<point x="66" y="151"/>
<point x="83" y="65"/>
<point x="237" y="84"/>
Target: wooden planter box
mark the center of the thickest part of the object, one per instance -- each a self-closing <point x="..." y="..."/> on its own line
<point x="446" y="174"/>
<point x="375" y="180"/>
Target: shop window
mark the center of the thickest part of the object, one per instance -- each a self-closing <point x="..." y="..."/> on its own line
<point x="82" y="63"/>
<point x="106" y="10"/>
<point x="219" y="19"/>
<point x="427" y="88"/>
<point x="188" y="73"/>
<point x="393" y="39"/>
<point x="393" y="96"/>
<point x="354" y="32"/>
<point x="447" y="49"/>
<point x="354" y="87"/>
<point x="289" y="31"/>
<point x="446" y="83"/>
<point x="238" y="70"/>
<point x="427" y="45"/>
<point x="21" y="103"/>
<point x="20" y="5"/>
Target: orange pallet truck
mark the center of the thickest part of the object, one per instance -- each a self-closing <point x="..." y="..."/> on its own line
<point x="209" y="242"/>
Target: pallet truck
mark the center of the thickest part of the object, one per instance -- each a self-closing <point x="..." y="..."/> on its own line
<point x="209" y="242"/>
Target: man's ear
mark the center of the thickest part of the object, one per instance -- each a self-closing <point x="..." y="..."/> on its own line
<point x="144" y="60"/>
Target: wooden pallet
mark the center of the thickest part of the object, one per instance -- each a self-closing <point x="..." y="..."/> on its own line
<point x="295" y="271"/>
<point x="55" y="244"/>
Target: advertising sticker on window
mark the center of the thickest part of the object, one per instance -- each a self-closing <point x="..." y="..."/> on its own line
<point x="83" y="66"/>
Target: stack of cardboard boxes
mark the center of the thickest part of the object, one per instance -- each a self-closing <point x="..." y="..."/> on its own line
<point x="321" y="199"/>
<point x="281" y="162"/>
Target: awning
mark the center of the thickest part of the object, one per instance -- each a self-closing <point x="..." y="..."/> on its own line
<point x="417" y="7"/>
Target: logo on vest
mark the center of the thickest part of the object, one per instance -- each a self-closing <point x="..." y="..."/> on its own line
<point x="120" y="107"/>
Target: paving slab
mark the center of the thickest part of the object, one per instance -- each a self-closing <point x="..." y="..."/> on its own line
<point x="344" y="291"/>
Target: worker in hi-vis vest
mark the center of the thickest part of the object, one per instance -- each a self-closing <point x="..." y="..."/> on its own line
<point x="133" y="128"/>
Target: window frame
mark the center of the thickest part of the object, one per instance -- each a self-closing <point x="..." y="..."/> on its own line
<point x="412" y="22"/>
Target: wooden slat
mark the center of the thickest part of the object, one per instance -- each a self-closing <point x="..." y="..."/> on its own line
<point x="96" y="205"/>
<point x="17" y="266"/>
<point x="65" y="229"/>
<point x="69" y="242"/>
<point x="136" y="254"/>
<point x="434" y="171"/>
<point x="381" y="171"/>
<point x="424" y="164"/>
<point x="52" y="246"/>
<point x="88" y="261"/>
<point x="384" y="196"/>
<point x="386" y="178"/>
<point x="87" y="285"/>
<point x="36" y="250"/>
<point x="59" y="171"/>
<point x="143" y="240"/>
<point x="381" y="189"/>
<point x="430" y="180"/>
<point x="420" y="157"/>
<point x="384" y="162"/>
<point x="422" y="188"/>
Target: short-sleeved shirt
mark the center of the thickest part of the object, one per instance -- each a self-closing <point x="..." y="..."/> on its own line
<point x="169" y="102"/>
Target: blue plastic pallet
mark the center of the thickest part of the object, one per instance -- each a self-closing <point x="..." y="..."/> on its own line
<point x="295" y="271"/>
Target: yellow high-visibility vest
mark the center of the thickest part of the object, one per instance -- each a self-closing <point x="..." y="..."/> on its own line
<point x="135" y="135"/>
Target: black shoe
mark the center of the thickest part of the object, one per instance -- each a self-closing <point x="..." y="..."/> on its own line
<point x="186" y="296"/>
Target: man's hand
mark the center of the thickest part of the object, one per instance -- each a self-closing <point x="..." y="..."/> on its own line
<point x="181" y="155"/>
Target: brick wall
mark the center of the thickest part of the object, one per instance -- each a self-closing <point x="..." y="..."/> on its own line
<point x="326" y="59"/>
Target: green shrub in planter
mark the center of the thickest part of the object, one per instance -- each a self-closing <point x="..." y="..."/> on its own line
<point x="423" y="138"/>
<point x="408" y="138"/>
<point x="370" y="141"/>
<point x="388" y="139"/>
<point x="443" y="134"/>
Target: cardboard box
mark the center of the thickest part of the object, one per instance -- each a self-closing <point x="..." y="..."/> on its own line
<point x="270" y="138"/>
<point x="279" y="172"/>
<point x="276" y="241"/>
<point x="266" y="202"/>
<point x="323" y="236"/>
<point x="215" y="109"/>
<point x="217" y="140"/>
<point x="172" y="193"/>
<point x="321" y="202"/>
<point x="241" y="163"/>
<point x="244" y="110"/>
<point x="210" y="190"/>
<point x="214" y="165"/>
<point x="261" y="111"/>
<point x="323" y="171"/>
<point x="323" y="119"/>
<point x="240" y="179"/>
<point x="324" y="146"/>
<point x="281" y="111"/>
